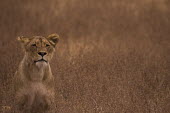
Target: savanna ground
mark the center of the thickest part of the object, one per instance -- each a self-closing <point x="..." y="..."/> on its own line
<point x="113" y="55"/>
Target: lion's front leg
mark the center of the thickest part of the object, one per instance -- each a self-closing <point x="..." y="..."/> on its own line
<point x="24" y="102"/>
<point x="49" y="102"/>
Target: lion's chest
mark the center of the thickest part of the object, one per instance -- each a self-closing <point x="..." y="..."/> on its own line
<point x="37" y="75"/>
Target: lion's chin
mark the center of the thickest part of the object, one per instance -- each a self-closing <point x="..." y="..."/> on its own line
<point x="41" y="64"/>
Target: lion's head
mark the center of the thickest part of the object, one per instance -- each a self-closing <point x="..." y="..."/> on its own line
<point x="38" y="49"/>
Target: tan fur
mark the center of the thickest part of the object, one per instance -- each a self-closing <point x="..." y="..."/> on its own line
<point x="33" y="81"/>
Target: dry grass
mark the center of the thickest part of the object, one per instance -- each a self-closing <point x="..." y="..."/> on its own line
<point x="113" y="57"/>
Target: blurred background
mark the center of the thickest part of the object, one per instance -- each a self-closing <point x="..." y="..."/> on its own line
<point x="113" y="55"/>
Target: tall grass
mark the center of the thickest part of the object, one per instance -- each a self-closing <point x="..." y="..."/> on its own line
<point x="113" y="57"/>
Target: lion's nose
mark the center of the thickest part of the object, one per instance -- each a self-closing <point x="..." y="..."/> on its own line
<point x="42" y="53"/>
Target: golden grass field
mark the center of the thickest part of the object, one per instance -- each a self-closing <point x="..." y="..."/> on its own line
<point x="113" y="55"/>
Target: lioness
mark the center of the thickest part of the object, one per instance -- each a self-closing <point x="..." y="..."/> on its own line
<point x="34" y="82"/>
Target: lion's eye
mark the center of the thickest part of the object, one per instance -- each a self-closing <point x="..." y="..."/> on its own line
<point x="47" y="45"/>
<point x="33" y="45"/>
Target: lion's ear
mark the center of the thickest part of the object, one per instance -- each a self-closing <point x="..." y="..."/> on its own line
<point x="23" y="39"/>
<point x="53" y="39"/>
